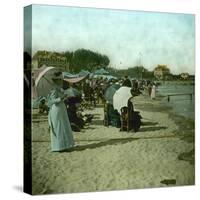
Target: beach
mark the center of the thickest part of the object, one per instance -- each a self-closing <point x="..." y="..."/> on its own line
<point x="160" y="154"/>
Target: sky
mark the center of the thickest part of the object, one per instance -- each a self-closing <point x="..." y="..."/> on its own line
<point x="128" y="38"/>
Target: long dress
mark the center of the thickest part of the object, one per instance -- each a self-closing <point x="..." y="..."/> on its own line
<point x="153" y="92"/>
<point x="61" y="132"/>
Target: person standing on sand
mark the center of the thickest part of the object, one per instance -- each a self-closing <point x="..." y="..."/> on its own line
<point x="153" y="92"/>
<point x="127" y="82"/>
<point x="149" y="87"/>
<point x="60" y="128"/>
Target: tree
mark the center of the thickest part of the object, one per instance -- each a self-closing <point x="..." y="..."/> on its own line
<point x="69" y="57"/>
<point x="161" y="72"/>
<point x="88" y="60"/>
<point x="137" y="72"/>
<point x="80" y="59"/>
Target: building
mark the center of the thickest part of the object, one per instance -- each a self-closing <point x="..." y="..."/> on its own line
<point x="184" y="76"/>
<point x="49" y="59"/>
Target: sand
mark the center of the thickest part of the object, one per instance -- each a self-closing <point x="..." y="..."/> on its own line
<point x="107" y="159"/>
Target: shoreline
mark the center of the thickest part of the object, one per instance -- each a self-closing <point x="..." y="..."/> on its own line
<point x="107" y="159"/>
<point x="156" y="106"/>
<point x="186" y="126"/>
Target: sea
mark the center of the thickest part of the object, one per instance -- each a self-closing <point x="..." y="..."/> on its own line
<point x="182" y="105"/>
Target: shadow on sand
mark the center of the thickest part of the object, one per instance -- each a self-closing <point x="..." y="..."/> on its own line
<point x="149" y="123"/>
<point x="101" y="144"/>
<point x="112" y="142"/>
<point x="145" y="129"/>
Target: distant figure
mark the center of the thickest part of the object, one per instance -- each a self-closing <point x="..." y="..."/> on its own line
<point x="89" y="93"/>
<point x="153" y="92"/>
<point x="61" y="132"/>
<point x="135" y="85"/>
<point x="149" y="87"/>
<point x="127" y="82"/>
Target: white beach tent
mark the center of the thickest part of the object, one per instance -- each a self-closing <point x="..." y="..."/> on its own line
<point x="43" y="82"/>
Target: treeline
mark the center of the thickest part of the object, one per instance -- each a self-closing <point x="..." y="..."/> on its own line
<point x="77" y="60"/>
<point x="86" y="59"/>
<point x="83" y="59"/>
<point x="138" y="72"/>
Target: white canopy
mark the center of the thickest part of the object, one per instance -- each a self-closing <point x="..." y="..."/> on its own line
<point x="121" y="97"/>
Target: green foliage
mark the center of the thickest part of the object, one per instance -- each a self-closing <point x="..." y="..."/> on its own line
<point x="88" y="60"/>
<point x="77" y="60"/>
<point x="137" y="72"/>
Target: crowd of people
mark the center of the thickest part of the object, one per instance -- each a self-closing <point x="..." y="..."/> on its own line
<point x="65" y="109"/>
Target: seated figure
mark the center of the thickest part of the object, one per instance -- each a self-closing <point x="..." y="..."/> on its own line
<point x="130" y="119"/>
<point x="43" y="108"/>
<point x="111" y="116"/>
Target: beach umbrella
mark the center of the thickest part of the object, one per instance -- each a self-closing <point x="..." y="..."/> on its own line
<point x="69" y="75"/>
<point x="110" y="77"/>
<point x="75" y="78"/>
<point x="84" y="73"/>
<point x="43" y="82"/>
<point x="121" y="97"/>
<point x="35" y="74"/>
<point x="101" y="72"/>
<point x="110" y="91"/>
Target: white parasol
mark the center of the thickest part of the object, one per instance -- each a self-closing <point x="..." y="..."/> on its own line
<point x="121" y="97"/>
<point x="43" y="82"/>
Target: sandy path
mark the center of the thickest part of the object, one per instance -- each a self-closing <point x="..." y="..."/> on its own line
<point x="112" y="160"/>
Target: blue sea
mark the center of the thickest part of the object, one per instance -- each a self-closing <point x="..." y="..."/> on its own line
<point x="181" y="105"/>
